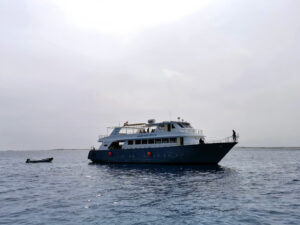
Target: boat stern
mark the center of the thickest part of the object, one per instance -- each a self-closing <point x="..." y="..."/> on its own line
<point x="92" y="154"/>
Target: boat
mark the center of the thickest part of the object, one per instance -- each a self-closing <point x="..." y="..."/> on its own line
<point x="167" y="142"/>
<point x="39" y="161"/>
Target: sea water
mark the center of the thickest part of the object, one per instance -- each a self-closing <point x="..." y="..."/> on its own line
<point x="250" y="186"/>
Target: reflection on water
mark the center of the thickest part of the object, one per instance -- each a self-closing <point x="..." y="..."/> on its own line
<point x="161" y="168"/>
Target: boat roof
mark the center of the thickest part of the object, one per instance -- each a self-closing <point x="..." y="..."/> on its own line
<point x="151" y="129"/>
<point x="143" y="125"/>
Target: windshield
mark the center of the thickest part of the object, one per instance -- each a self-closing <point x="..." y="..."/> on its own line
<point x="184" y="125"/>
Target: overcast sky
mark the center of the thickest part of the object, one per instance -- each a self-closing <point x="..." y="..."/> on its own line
<point x="69" y="69"/>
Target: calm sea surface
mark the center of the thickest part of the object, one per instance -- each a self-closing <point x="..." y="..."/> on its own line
<point x="249" y="187"/>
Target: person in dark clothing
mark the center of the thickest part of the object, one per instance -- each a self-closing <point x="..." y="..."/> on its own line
<point x="234" y="135"/>
<point x="201" y="141"/>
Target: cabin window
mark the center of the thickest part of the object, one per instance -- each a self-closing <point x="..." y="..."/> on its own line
<point x="172" y="140"/>
<point x="157" y="141"/>
<point x="173" y="127"/>
<point x="165" y="140"/>
<point x="169" y="127"/>
<point x="180" y="125"/>
<point x="186" y="125"/>
<point x="130" y="142"/>
<point x="181" y="141"/>
<point x="151" y="141"/>
<point x="137" y="142"/>
<point x="144" y="142"/>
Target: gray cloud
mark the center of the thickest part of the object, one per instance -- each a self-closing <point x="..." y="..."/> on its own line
<point x="231" y="65"/>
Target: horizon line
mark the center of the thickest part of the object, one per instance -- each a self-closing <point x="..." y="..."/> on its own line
<point x="76" y="149"/>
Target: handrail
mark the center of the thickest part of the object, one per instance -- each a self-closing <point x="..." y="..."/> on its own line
<point x="193" y="131"/>
<point x="102" y="136"/>
<point x="190" y="131"/>
<point x="224" y="140"/>
<point x="182" y="130"/>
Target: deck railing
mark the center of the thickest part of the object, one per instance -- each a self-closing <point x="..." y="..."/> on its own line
<point x="102" y="136"/>
<point x="193" y="131"/>
<point x="184" y="130"/>
<point x="224" y="140"/>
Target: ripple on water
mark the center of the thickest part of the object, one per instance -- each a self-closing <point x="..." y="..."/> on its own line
<point x="251" y="187"/>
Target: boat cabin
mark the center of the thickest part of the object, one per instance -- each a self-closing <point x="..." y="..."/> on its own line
<point x="151" y="135"/>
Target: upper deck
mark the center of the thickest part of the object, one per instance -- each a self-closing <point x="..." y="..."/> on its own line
<point x="152" y="129"/>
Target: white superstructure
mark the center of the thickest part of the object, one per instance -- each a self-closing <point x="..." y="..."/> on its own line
<point x="151" y="135"/>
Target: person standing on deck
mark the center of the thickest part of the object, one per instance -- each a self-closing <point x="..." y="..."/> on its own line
<point x="234" y="135"/>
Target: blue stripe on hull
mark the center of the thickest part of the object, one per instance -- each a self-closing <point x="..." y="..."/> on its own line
<point x="188" y="154"/>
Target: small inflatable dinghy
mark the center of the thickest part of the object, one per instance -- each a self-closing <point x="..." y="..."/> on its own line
<point x="39" y="161"/>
